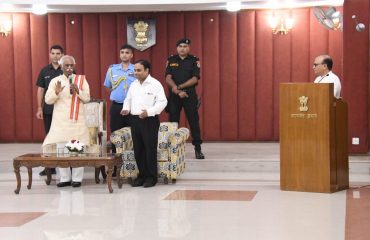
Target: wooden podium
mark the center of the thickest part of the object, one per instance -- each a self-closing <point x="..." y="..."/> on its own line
<point x="313" y="138"/>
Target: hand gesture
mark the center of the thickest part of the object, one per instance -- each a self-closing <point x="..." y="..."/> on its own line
<point x="124" y="112"/>
<point x="175" y="90"/>
<point x="73" y="87"/>
<point x="58" y="87"/>
<point x="144" y="114"/>
<point x="183" y="94"/>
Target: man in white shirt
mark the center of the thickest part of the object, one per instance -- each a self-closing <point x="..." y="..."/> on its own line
<point x="322" y="67"/>
<point x="145" y="100"/>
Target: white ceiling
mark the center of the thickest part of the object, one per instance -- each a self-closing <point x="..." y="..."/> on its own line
<point x="70" y="6"/>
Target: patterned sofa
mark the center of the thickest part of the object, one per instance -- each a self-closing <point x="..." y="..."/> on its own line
<point x="170" y="154"/>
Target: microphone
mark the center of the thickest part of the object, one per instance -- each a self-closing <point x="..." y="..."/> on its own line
<point x="70" y="78"/>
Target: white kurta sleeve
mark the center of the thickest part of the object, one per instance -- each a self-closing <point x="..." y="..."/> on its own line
<point x="51" y="97"/>
<point x="84" y="94"/>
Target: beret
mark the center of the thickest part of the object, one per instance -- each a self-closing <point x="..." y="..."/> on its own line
<point x="183" y="40"/>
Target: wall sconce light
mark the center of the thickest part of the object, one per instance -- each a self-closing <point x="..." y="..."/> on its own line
<point x="280" y="25"/>
<point x="5" y="27"/>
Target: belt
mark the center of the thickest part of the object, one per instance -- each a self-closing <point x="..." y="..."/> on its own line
<point x="114" y="102"/>
<point x="138" y="116"/>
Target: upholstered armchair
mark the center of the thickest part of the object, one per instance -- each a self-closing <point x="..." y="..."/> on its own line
<point x="170" y="152"/>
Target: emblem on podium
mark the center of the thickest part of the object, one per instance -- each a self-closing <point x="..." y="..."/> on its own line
<point x="303" y="103"/>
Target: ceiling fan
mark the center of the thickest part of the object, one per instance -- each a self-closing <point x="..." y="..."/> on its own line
<point x="329" y="18"/>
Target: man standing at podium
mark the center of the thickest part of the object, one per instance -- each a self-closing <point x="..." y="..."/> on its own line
<point x="322" y="67"/>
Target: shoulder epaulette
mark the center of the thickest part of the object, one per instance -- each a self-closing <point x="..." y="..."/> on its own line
<point x="194" y="57"/>
<point x="172" y="56"/>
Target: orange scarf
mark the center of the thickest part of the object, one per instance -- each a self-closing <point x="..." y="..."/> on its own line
<point x="75" y="104"/>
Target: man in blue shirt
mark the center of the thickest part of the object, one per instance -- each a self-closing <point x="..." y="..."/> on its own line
<point x="118" y="80"/>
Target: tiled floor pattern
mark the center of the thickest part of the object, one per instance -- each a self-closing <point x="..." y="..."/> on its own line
<point x="216" y="203"/>
<point x="16" y="219"/>
<point x="211" y="195"/>
<point x="358" y="214"/>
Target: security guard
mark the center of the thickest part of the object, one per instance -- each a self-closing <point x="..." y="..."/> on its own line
<point x="50" y="71"/>
<point x="118" y="80"/>
<point x="182" y="75"/>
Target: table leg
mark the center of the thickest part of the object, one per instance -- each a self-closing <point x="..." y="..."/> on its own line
<point x="97" y="172"/>
<point x="119" y="178"/>
<point x="110" y="170"/>
<point x="29" y="169"/>
<point x="16" y="166"/>
<point x="48" y="176"/>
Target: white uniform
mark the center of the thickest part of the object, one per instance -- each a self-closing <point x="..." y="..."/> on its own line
<point x="63" y="129"/>
<point x="330" y="77"/>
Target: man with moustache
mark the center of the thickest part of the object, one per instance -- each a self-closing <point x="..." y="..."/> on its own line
<point x="68" y="93"/>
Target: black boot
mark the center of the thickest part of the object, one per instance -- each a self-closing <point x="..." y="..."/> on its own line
<point x="198" y="153"/>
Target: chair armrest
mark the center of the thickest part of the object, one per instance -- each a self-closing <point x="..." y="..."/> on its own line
<point x="177" y="141"/>
<point x="122" y="139"/>
<point x="179" y="137"/>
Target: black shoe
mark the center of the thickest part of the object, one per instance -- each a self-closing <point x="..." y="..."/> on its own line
<point x="137" y="182"/>
<point x="150" y="182"/>
<point x="64" y="184"/>
<point x="199" y="154"/>
<point x="43" y="172"/>
<point x="76" y="184"/>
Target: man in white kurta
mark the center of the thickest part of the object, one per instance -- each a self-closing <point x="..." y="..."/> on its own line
<point x="322" y="67"/>
<point x="68" y="120"/>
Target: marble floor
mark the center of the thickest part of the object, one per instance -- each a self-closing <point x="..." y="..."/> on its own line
<point x="209" y="201"/>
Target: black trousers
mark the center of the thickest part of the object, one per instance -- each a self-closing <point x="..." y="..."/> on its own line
<point x="144" y="134"/>
<point x="175" y="104"/>
<point x="47" y="125"/>
<point x="47" y="122"/>
<point x="117" y="121"/>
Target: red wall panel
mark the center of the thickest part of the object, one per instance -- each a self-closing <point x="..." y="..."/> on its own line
<point x="91" y="55"/>
<point x="264" y="77"/>
<point x="39" y="55"/>
<point x="108" y="51"/>
<point x="246" y="76"/>
<point x="56" y="29"/>
<point x="74" y="45"/>
<point x="7" y="82"/>
<point x="193" y="30"/>
<point x="356" y="72"/>
<point x="282" y="53"/>
<point x="300" y="40"/>
<point x="121" y="31"/>
<point x="159" y="54"/>
<point x="211" y="76"/>
<point x="228" y="74"/>
<point x="23" y="96"/>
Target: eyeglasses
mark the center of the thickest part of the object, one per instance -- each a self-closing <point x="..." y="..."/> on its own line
<point x="317" y="64"/>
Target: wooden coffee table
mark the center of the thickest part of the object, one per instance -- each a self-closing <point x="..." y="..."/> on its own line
<point x="53" y="160"/>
